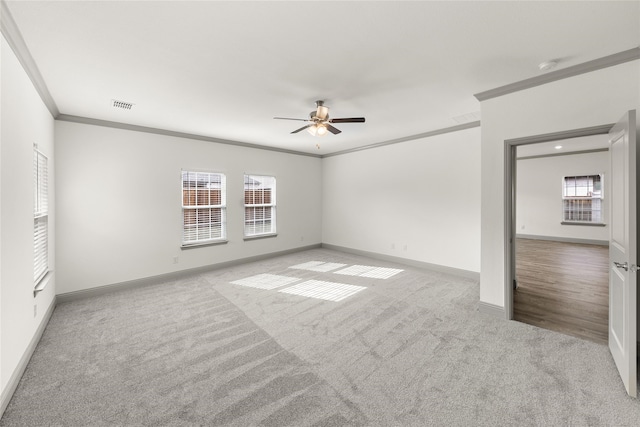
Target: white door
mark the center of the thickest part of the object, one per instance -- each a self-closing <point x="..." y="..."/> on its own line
<point x="623" y="250"/>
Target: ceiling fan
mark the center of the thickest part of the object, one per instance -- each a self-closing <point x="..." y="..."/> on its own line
<point x="320" y="123"/>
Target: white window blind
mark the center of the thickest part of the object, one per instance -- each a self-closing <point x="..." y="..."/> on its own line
<point x="582" y="198"/>
<point x="40" y="216"/>
<point x="203" y="207"/>
<point x="259" y="205"/>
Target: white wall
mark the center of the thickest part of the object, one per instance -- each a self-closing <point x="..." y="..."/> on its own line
<point x="539" y="195"/>
<point x="119" y="203"/>
<point x="418" y="200"/>
<point x="25" y="121"/>
<point x="590" y="99"/>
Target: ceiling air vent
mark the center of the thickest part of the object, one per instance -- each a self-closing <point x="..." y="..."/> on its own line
<point x="467" y="118"/>
<point x="121" y="104"/>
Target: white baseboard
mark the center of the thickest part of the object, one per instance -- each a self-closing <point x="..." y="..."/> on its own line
<point x="420" y="264"/>
<point x="12" y="384"/>
<point x="564" y="239"/>
<point x="492" y="310"/>
<point x="130" y="284"/>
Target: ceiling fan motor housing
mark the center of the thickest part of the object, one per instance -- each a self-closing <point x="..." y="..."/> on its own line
<point x="322" y="112"/>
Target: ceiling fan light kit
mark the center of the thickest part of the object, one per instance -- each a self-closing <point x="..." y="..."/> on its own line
<point x="319" y="122"/>
<point x="317" y="130"/>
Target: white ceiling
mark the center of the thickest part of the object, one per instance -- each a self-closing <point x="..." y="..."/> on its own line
<point x="225" y="69"/>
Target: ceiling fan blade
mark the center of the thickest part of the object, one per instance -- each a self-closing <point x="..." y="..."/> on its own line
<point x="288" y="118"/>
<point x="332" y="129"/>
<point x="302" y="128"/>
<point x="348" y="120"/>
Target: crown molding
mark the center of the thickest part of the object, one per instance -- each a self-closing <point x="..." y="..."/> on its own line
<point x="442" y="131"/>
<point x="569" y="153"/>
<point x="585" y="67"/>
<point x="157" y="131"/>
<point x="556" y="136"/>
<point x="11" y="33"/>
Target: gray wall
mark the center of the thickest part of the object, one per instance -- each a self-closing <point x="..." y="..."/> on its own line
<point x="418" y="200"/>
<point x="539" y="195"/>
<point x="119" y="203"/>
<point x="25" y="120"/>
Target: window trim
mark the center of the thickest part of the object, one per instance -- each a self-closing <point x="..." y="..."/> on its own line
<point x="565" y="221"/>
<point x="222" y="206"/>
<point x="273" y="205"/>
<point x="41" y="267"/>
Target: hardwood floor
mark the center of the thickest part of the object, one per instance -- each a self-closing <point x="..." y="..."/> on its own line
<point x="563" y="287"/>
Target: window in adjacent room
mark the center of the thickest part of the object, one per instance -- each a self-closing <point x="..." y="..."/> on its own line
<point x="259" y="205"/>
<point x="582" y="199"/>
<point x="203" y="208"/>
<point x="40" y="216"/>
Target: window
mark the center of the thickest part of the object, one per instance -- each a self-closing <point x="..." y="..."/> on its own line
<point x="203" y="208"/>
<point x="259" y="205"/>
<point x="582" y="199"/>
<point x="40" y="216"/>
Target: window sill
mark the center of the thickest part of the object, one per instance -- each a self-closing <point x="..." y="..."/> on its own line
<point x="260" y="236"/>
<point x="200" y="244"/>
<point x="588" y="224"/>
<point x="42" y="283"/>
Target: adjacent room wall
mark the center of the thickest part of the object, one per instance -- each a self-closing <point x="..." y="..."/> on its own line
<point x="417" y="200"/>
<point x="591" y="99"/>
<point x="119" y="203"/>
<point x="25" y="121"/>
<point x="539" y="195"/>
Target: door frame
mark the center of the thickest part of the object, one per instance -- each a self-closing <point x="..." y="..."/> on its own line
<point x="510" y="168"/>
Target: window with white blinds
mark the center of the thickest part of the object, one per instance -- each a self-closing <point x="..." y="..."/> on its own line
<point x="259" y="205"/>
<point x="40" y="216"/>
<point x="204" y="216"/>
<point x="582" y="199"/>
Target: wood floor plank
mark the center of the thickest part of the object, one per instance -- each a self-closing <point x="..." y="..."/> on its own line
<point x="563" y="287"/>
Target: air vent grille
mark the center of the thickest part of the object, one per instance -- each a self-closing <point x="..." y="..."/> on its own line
<point x="121" y="104"/>
<point x="467" y="118"/>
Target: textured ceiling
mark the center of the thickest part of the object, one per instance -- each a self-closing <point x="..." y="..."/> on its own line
<point x="225" y="69"/>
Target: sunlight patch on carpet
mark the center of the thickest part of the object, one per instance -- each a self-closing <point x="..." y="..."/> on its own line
<point x="381" y="273"/>
<point x="369" y="271"/>
<point x="323" y="290"/>
<point x="265" y="281"/>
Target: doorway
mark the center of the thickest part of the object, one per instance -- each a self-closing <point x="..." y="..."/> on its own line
<point x="623" y="237"/>
<point x="561" y="238"/>
<point x="510" y="168"/>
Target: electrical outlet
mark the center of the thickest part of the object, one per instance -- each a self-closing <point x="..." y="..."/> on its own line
<point x="404" y="248"/>
<point x="302" y="238"/>
<point x="175" y="259"/>
<point x="393" y="246"/>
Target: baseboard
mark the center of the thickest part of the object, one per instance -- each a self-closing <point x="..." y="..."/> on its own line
<point x="12" y="384"/>
<point x="492" y="310"/>
<point x="564" y="239"/>
<point x="176" y="275"/>
<point x="420" y="264"/>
